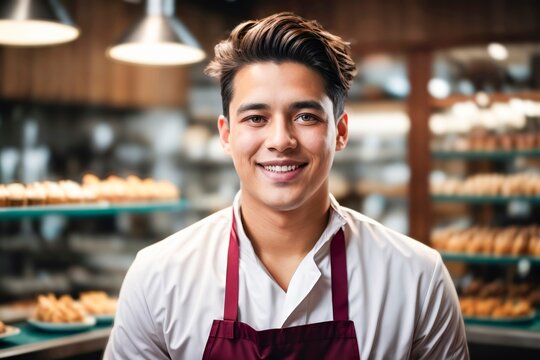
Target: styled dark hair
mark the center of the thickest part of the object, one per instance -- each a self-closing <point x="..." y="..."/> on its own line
<point x="285" y="37"/>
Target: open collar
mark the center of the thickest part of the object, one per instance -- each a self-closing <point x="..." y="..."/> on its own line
<point x="335" y="222"/>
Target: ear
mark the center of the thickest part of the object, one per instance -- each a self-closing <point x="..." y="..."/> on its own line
<point x="342" y="132"/>
<point x="224" y="132"/>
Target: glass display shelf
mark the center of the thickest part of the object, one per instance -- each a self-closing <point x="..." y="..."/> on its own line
<point x="484" y="155"/>
<point x="485" y="199"/>
<point x="489" y="259"/>
<point x="90" y="209"/>
<point x="32" y="343"/>
<point x="515" y="335"/>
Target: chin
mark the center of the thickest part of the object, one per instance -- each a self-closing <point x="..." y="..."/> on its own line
<point x="283" y="204"/>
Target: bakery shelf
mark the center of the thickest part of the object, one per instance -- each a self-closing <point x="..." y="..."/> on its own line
<point x="484" y="155"/>
<point x="527" y="336"/>
<point x="35" y="344"/>
<point x="489" y="259"/>
<point x="89" y="210"/>
<point x="485" y="199"/>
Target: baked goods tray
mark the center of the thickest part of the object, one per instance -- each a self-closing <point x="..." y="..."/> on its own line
<point x="90" y="209"/>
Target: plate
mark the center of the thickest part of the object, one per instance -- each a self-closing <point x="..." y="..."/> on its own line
<point x="10" y="314"/>
<point x="10" y="331"/>
<point x="89" y="321"/>
<point x="500" y="321"/>
<point x="104" y="319"/>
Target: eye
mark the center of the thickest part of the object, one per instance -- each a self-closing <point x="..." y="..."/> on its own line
<point x="255" y="120"/>
<point x="307" y="118"/>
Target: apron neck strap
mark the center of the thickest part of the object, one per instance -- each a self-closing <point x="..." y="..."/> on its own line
<point x="338" y="263"/>
<point x="231" y="280"/>
<point x="340" y="288"/>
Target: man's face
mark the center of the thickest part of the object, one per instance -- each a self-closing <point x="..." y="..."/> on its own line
<point x="282" y="134"/>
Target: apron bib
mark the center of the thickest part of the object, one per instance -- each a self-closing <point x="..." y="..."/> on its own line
<point x="232" y="339"/>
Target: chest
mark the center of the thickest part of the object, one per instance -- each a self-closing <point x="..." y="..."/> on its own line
<point x="188" y="308"/>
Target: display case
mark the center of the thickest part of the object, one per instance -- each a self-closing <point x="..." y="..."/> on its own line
<point x="485" y="189"/>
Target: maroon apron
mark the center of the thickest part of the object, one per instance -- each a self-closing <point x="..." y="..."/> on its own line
<point x="231" y="339"/>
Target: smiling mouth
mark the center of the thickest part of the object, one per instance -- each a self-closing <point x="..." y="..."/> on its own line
<point x="281" y="168"/>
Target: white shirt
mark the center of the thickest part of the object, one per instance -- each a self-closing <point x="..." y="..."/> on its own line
<point x="401" y="297"/>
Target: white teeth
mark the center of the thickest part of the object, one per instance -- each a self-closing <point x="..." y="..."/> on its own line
<point x="281" y="169"/>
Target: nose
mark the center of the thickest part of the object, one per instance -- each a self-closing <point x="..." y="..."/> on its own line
<point x="281" y="135"/>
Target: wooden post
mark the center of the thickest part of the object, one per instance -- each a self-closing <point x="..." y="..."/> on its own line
<point x="419" y="62"/>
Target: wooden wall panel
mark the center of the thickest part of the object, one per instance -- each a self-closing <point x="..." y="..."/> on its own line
<point x="79" y="72"/>
<point x="399" y="25"/>
<point x="419" y="154"/>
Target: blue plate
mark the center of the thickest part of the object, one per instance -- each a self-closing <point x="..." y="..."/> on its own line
<point x="87" y="323"/>
<point x="10" y="331"/>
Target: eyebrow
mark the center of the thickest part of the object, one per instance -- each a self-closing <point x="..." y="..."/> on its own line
<point x="306" y="104"/>
<point x="252" y="106"/>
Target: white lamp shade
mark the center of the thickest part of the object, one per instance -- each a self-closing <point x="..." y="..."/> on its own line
<point x="35" y="33"/>
<point x="159" y="54"/>
<point x="35" y="23"/>
<point x="160" y="40"/>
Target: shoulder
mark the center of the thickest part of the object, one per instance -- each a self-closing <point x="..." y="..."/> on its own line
<point x="192" y="244"/>
<point x="387" y="247"/>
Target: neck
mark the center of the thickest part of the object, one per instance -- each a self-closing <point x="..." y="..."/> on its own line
<point x="289" y="234"/>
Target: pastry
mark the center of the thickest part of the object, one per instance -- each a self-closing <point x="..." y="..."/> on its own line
<point x="475" y="244"/>
<point x="61" y="310"/>
<point x="98" y="303"/>
<point x="502" y="244"/>
<point x="133" y="188"/>
<point x="166" y="190"/>
<point x="485" y="307"/>
<point x="521" y="308"/>
<point x="520" y="244"/>
<point x="90" y="179"/>
<point x="456" y="243"/>
<point x="467" y="306"/>
<point x="55" y="194"/>
<point x="3" y="196"/>
<point x="72" y="191"/>
<point x="16" y="194"/>
<point x="36" y="194"/>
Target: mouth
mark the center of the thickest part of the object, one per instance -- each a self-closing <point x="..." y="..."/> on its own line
<point x="282" y="170"/>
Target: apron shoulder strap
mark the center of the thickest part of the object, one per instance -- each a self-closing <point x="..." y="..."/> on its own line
<point x="340" y="292"/>
<point x="231" y="280"/>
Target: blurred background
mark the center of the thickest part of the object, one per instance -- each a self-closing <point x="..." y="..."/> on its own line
<point x="444" y="146"/>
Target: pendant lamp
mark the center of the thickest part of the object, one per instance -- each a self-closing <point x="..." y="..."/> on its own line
<point x="158" y="38"/>
<point x="35" y="23"/>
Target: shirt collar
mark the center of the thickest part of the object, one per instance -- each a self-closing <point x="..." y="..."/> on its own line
<point x="336" y="221"/>
<point x="246" y="247"/>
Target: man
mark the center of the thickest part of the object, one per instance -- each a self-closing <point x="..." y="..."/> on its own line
<point x="286" y="272"/>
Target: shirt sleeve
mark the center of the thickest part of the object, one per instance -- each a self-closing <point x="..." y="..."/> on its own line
<point x="440" y="332"/>
<point x="134" y="334"/>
